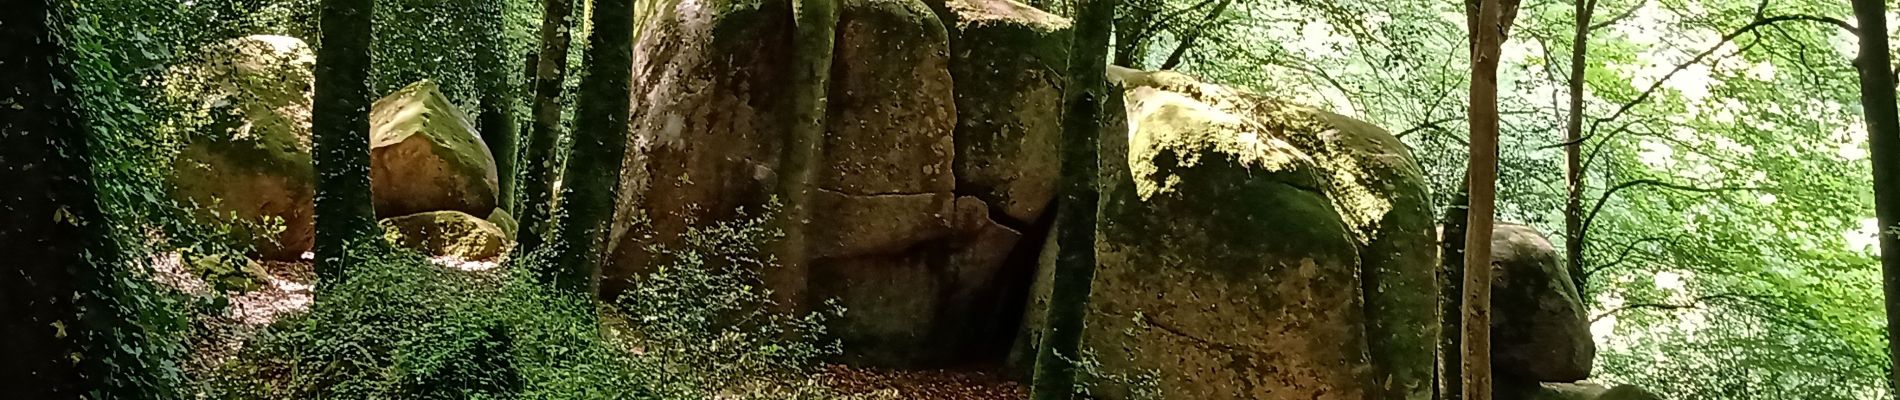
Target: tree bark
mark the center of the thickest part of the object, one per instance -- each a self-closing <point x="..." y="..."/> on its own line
<point x="600" y="143"/>
<point x="535" y="185"/>
<point x="52" y="231"/>
<point x="1883" y="142"/>
<point x="339" y="125"/>
<point x="814" y="36"/>
<point x="1450" y="299"/>
<point x="1573" y="148"/>
<point x="1488" y="31"/>
<point x="1082" y="125"/>
<point x="497" y="100"/>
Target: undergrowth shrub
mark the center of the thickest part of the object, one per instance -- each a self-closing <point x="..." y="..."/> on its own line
<point x="705" y="316"/>
<point x="698" y="326"/>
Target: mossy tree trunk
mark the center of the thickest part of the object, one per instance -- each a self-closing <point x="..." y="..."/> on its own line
<point x="497" y="99"/>
<point x="600" y="143"/>
<point x="1883" y="142"/>
<point x="1451" y="274"/>
<point x="52" y="231"/>
<point x="1082" y="125"/>
<point x="813" y="38"/>
<point x="534" y="187"/>
<point x="1489" y="26"/>
<point x="339" y="125"/>
<point x="1573" y="147"/>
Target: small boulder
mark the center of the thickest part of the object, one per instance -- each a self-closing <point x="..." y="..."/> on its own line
<point x="504" y="220"/>
<point x="1538" y="325"/>
<point x="446" y="233"/>
<point x="426" y="156"/>
<point x="248" y="126"/>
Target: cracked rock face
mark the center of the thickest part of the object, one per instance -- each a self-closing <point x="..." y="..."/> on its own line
<point x="1258" y="249"/>
<point x="915" y="252"/>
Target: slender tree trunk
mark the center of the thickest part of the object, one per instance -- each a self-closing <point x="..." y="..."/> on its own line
<point x="1488" y="31"/>
<point x="1082" y="125"/>
<point x="813" y="36"/>
<point x="1883" y="141"/>
<point x="600" y="143"/>
<point x="1451" y="274"/>
<point x="1573" y="147"/>
<point x="498" y="99"/>
<point x="339" y="124"/>
<point x="535" y="185"/>
<point x="1208" y="23"/>
<point x="52" y="231"/>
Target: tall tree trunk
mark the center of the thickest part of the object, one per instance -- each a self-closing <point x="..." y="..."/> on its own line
<point x="1082" y="125"/>
<point x="339" y="123"/>
<point x="600" y="143"/>
<point x="52" y="231"/>
<point x="814" y="33"/>
<point x="1883" y="142"/>
<point x="1451" y="273"/>
<point x="498" y="99"/>
<point x="1206" y="24"/>
<point x="1488" y="31"/>
<point x="535" y="185"/>
<point x="1573" y="147"/>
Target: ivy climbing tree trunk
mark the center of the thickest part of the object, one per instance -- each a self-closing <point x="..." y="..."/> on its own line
<point x="534" y="187"/>
<point x="1573" y="146"/>
<point x="1883" y="143"/>
<point x="815" y="24"/>
<point x="52" y="230"/>
<point x="600" y="143"/>
<point x="497" y="99"/>
<point x="1451" y="274"/>
<point x="1491" y="23"/>
<point x="1082" y="125"/>
<point x="339" y="125"/>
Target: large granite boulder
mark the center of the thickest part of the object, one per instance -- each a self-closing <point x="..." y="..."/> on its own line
<point x="917" y="261"/>
<point x="248" y="157"/>
<point x="426" y="156"/>
<point x="446" y="234"/>
<point x="1259" y="249"/>
<point x="1538" y="328"/>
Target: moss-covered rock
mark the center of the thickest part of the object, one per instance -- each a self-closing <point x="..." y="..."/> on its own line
<point x="504" y="220"/>
<point x="426" y="156"/>
<point x="446" y="233"/>
<point x="248" y="157"/>
<point x="1538" y="328"/>
<point x="709" y="121"/>
<point x="1007" y="60"/>
<point x="1259" y="249"/>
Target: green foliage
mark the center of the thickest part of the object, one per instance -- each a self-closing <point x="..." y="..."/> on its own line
<point x="709" y="321"/>
<point x="402" y="327"/>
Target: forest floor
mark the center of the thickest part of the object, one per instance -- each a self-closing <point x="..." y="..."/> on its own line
<point x="285" y="288"/>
